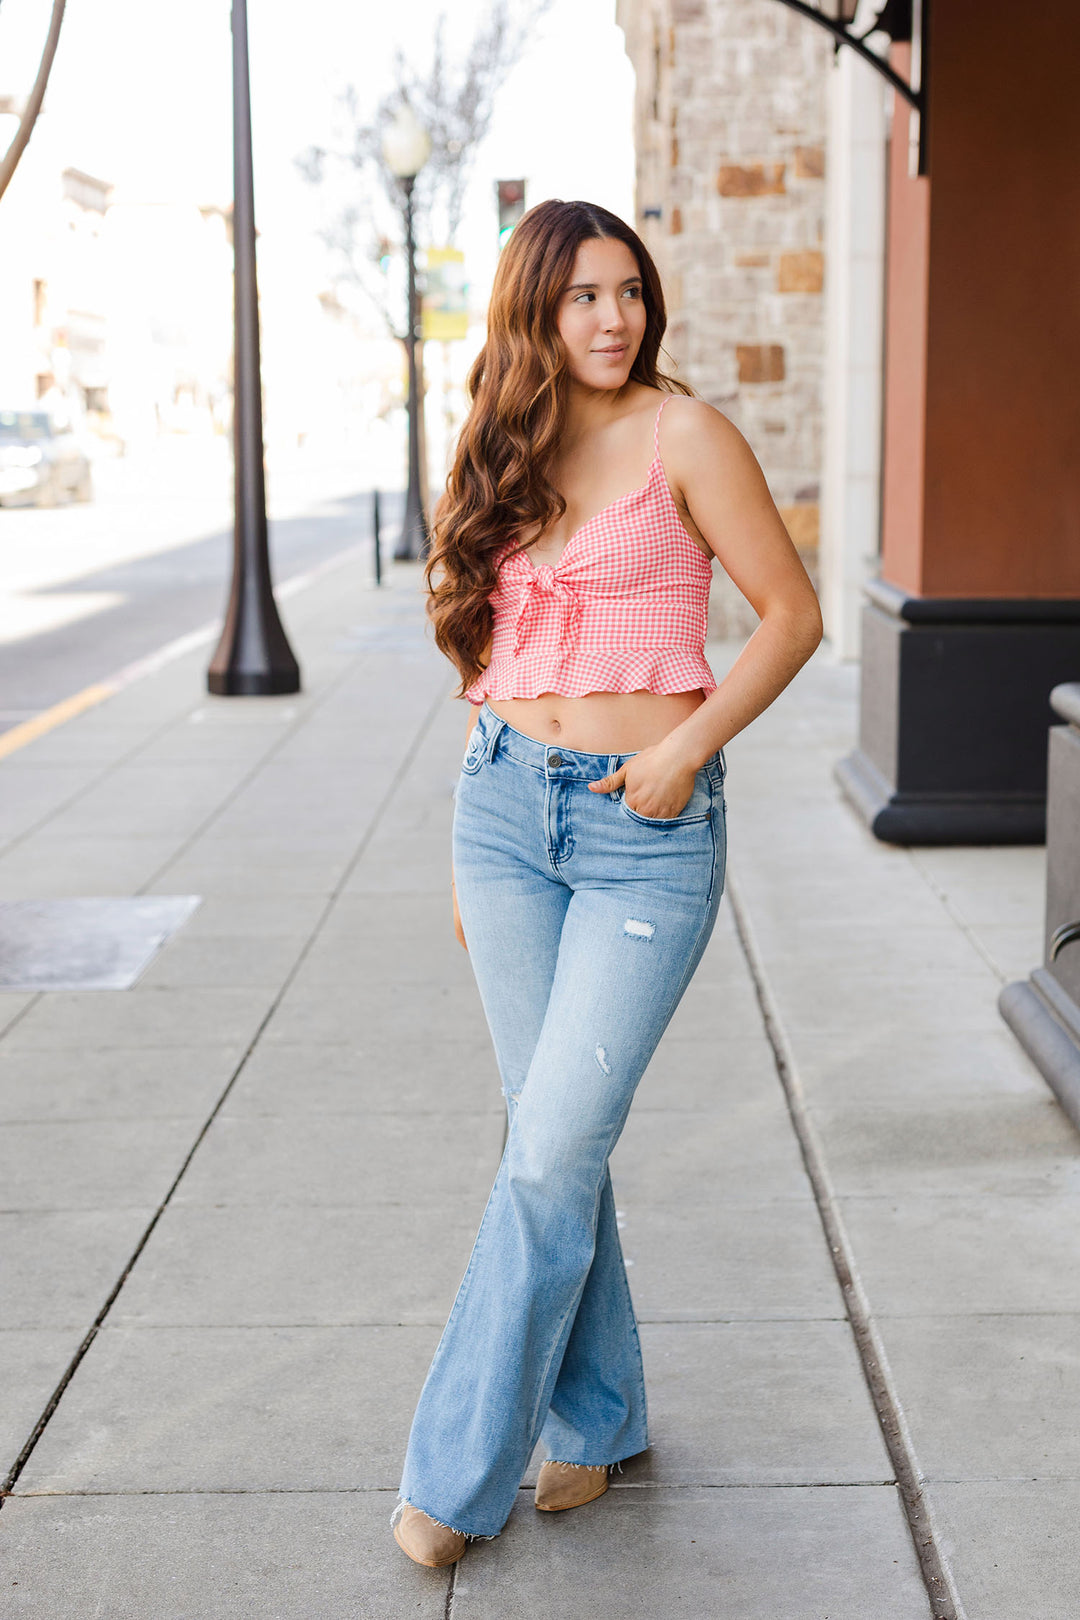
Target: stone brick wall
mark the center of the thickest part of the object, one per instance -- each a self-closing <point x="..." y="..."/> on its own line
<point x="730" y="122"/>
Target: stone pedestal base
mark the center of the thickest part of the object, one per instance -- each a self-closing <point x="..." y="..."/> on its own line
<point x="1046" y="1022"/>
<point x="954" y="715"/>
<point x="1044" y="1011"/>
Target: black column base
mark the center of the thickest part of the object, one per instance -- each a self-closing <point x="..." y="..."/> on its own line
<point x="926" y="818"/>
<point x="954" y="714"/>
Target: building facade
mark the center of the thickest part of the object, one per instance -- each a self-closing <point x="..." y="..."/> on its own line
<point x="52" y="290"/>
<point x="730" y="128"/>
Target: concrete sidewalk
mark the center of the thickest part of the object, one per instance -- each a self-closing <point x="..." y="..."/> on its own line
<point x="239" y="1196"/>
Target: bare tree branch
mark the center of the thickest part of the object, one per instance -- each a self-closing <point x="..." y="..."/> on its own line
<point x="455" y="104"/>
<point x="10" y="161"/>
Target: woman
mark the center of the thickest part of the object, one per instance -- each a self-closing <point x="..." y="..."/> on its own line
<point x="571" y="581"/>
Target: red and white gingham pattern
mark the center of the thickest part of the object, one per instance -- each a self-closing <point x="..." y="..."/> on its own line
<point x="623" y="610"/>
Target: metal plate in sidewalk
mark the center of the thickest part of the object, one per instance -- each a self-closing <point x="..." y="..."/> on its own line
<point x="85" y="944"/>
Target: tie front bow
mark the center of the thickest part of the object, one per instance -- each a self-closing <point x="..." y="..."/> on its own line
<point x="544" y="587"/>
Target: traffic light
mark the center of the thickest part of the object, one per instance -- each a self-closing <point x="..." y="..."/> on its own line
<point x="510" y="195"/>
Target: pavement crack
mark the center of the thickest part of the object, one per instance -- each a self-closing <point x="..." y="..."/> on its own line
<point x="945" y="1602"/>
<point x="397" y="776"/>
<point x="123" y="758"/>
<point x="304" y="714"/>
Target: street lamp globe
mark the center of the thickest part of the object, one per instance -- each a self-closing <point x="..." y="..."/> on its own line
<point x="406" y="144"/>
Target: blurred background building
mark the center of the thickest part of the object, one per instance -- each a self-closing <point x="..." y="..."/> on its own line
<point x="54" y="289"/>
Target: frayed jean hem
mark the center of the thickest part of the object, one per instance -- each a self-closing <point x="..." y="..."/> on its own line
<point x="405" y="1501"/>
<point x="618" y="1463"/>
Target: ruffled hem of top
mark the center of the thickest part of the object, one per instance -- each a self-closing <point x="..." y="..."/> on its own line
<point x="529" y="675"/>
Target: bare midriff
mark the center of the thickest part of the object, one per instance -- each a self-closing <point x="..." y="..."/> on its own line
<point x="599" y="722"/>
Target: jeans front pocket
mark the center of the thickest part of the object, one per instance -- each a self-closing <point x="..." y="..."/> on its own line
<point x="697" y="808"/>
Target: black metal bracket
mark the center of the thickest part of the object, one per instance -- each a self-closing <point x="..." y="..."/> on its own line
<point x="1067" y="934"/>
<point x="890" y="21"/>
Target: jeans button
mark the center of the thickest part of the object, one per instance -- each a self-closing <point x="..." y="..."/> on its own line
<point x="555" y="760"/>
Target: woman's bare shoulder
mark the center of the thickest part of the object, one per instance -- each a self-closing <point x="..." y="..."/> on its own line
<point x="694" y="432"/>
<point x="688" y="419"/>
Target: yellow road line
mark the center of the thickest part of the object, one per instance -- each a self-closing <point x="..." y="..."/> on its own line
<point x="19" y="736"/>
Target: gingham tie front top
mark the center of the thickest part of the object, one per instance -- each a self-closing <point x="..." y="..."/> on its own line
<point x="623" y="610"/>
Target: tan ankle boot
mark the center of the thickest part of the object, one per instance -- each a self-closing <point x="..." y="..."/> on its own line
<point x="567" y="1485"/>
<point x="426" y="1541"/>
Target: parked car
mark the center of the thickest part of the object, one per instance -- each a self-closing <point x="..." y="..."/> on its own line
<point x="40" y="463"/>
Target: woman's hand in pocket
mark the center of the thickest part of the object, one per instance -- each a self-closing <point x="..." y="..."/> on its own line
<point x="654" y="783"/>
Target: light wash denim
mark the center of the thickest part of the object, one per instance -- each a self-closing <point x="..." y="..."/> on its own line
<point x="584" y="922"/>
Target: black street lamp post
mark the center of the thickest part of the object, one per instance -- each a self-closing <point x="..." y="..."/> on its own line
<point x="406" y="148"/>
<point x="413" y="540"/>
<point x="253" y="657"/>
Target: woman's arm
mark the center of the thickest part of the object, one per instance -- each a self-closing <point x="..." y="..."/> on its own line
<point x="710" y="464"/>
<point x="725" y="491"/>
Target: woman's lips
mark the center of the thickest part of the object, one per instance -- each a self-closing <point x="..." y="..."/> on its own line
<point x="612" y="354"/>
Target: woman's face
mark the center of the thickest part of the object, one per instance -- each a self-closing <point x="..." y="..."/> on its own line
<point x="601" y="317"/>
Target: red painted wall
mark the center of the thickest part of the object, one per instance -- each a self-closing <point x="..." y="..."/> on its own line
<point x="982" y="409"/>
<point x="906" y="292"/>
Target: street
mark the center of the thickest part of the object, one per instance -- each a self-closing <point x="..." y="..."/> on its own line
<point x="87" y="589"/>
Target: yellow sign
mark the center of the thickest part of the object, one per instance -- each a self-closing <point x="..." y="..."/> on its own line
<point x="444" y="310"/>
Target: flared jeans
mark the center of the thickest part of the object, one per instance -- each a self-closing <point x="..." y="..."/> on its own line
<point x="584" y="922"/>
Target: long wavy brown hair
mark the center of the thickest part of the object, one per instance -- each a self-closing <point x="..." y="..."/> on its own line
<point x="519" y="387"/>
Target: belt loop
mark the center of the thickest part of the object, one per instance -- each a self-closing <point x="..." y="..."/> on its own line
<point x="723" y="765"/>
<point x="496" y="732"/>
<point x="714" y="769"/>
<point x="612" y="767"/>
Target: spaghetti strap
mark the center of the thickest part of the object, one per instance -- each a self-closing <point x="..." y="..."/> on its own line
<point x="656" y="427"/>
